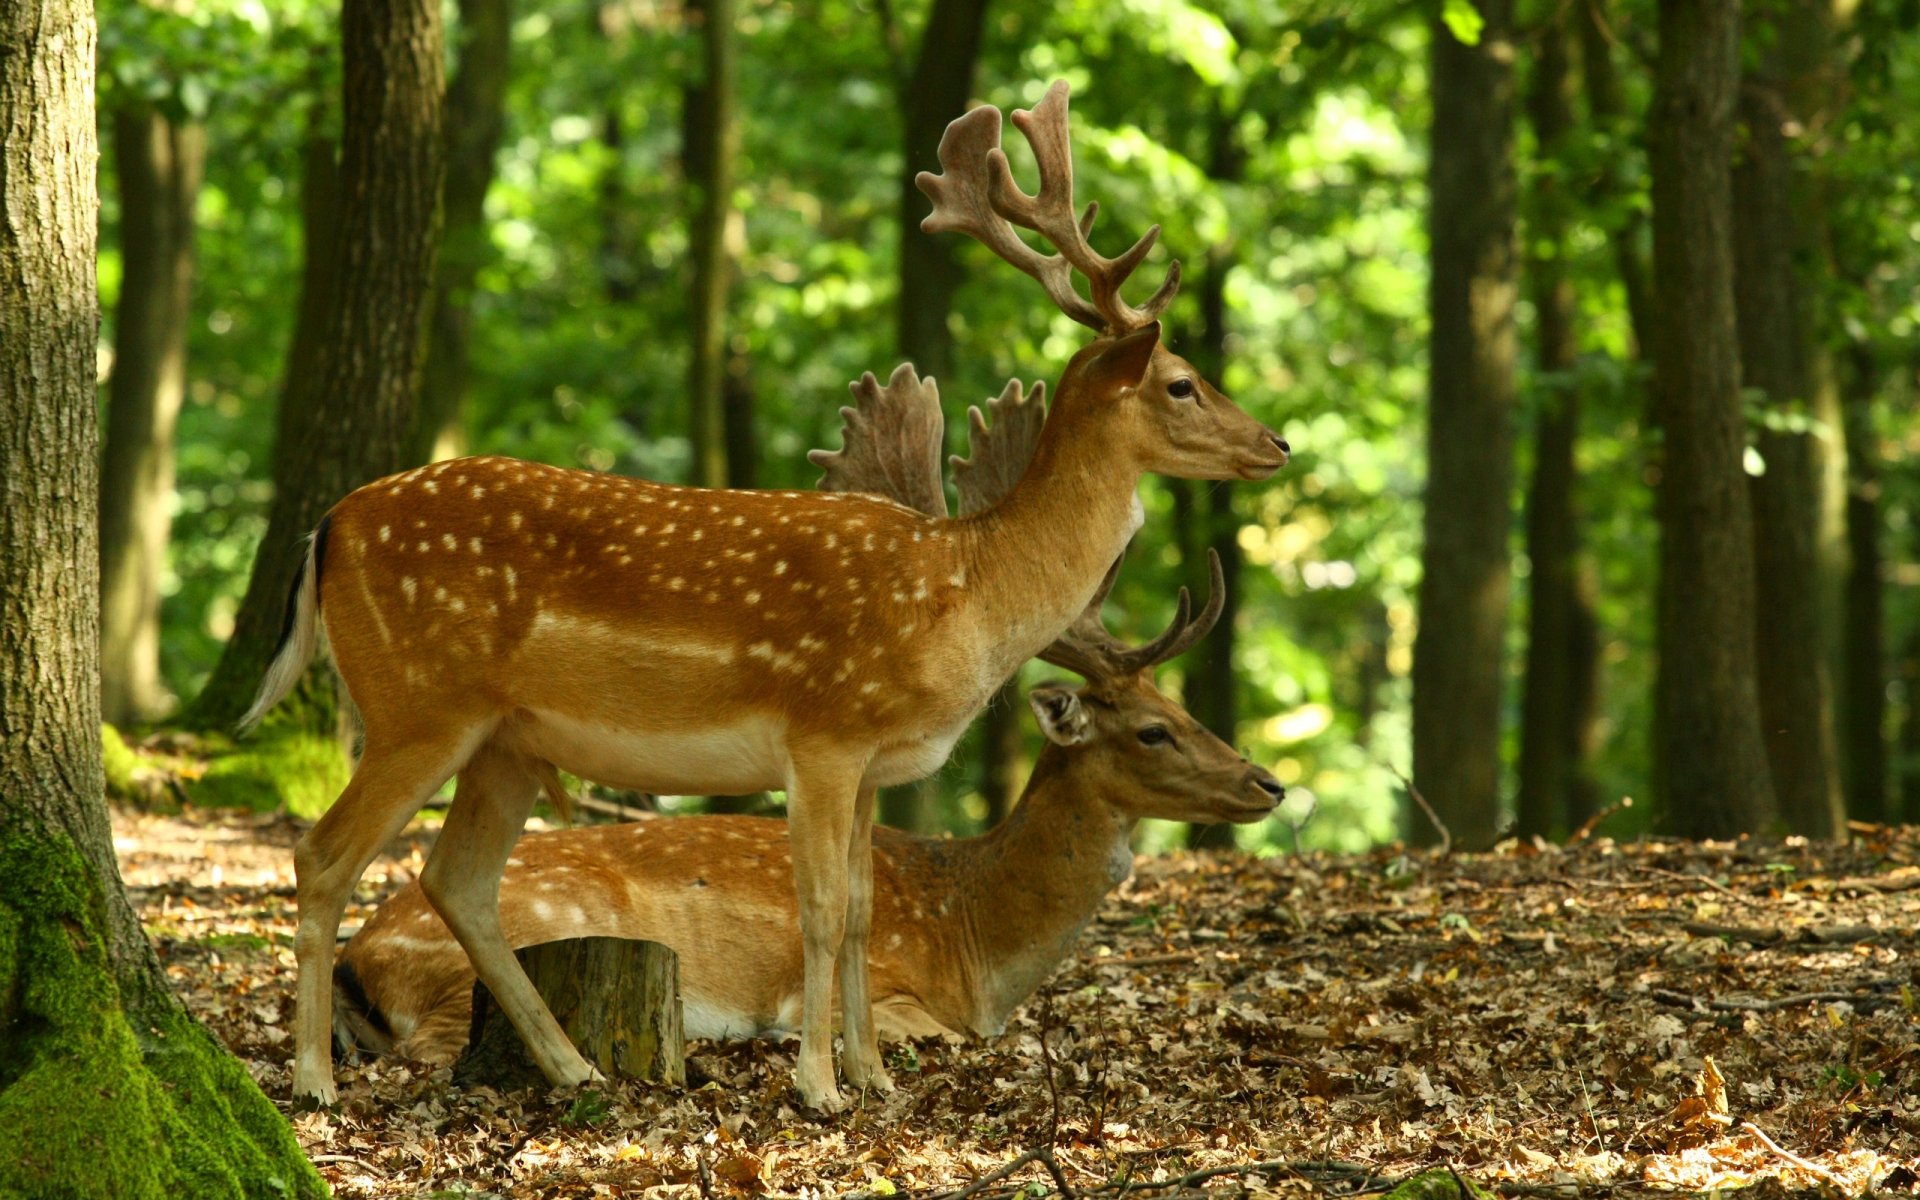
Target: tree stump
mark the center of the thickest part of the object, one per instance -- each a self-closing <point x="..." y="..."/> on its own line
<point x="617" y="999"/>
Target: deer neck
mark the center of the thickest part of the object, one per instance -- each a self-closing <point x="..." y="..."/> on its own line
<point x="1037" y="556"/>
<point x="1033" y="883"/>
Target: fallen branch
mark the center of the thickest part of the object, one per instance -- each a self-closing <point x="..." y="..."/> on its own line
<point x="1683" y="877"/>
<point x="1795" y="1159"/>
<point x="1446" y="835"/>
<point x="1835" y="935"/>
<point x="1593" y="822"/>
<point x="1864" y="1001"/>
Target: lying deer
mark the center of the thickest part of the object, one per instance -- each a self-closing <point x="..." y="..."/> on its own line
<point x="490" y="616"/>
<point x="963" y="930"/>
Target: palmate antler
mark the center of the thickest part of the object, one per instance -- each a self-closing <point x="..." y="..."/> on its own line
<point x="975" y="194"/>
<point x="891" y="447"/>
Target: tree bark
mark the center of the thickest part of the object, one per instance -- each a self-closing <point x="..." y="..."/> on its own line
<point x="107" y="1086"/>
<point x="712" y="146"/>
<point x="1552" y="737"/>
<point x="1458" y="651"/>
<point x="936" y="91"/>
<point x="475" y="121"/>
<point x="1863" y="682"/>
<point x="933" y="92"/>
<point x="617" y="999"/>
<point x="1796" y="701"/>
<point x="366" y="362"/>
<point x="158" y="164"/>
<point x="1709" y="752"/>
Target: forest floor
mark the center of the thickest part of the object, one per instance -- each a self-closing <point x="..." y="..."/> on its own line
<point x="1620" y="1019"/>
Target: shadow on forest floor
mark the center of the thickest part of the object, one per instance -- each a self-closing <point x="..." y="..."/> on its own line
<point x="1626" y="1019"/>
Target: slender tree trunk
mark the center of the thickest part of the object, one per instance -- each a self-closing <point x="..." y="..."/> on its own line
<point x="1457" y="673"/>
<point x="1606" y="111"/>
<point x="476" y="119"/>
<point x="1909" y="759"/>
<point x="107" y="1086"/>
<point x="1863" y="682"/>
<point x="1711" y="756"/>
<point x="712" y="146"/>
<point x="1796" y="702"/>
<point x="366" y="363"/>
<point x="1550" y="740"/>
<point x="934" y="92"/>
<point x="619" y="270"/>
<point x="159" y="165"/>
<point x="1213" y="692"/>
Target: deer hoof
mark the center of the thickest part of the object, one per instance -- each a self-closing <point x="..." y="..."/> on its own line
<point x="827" y="1099"/>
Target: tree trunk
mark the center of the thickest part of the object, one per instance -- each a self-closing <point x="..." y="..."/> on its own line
<point x="1709" y="752"/>
<point x="159" y="165"/>
<point x="1863" y="682"/>
<point x="935" y="92"/>
<point x="712" y="146"/>
<point x="1796" y="702"/>
<point x="1606" y="111"/>
<point x="1458" y="651"/>
<point x="1550" y="740"/>
<point x="1213" y="691"/>
<point x="107" y="1086"/>
<point x="365" y="372"/>
<point x="617" y="999"/>
<point x="476" y="118"/>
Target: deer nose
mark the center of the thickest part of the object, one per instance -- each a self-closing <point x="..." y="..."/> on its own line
<point x="1281" y="443"/>
<point x="1275" y="790"/>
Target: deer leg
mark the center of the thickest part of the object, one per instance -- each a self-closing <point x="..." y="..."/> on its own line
<point x="391" y="782"/>
<point x="860" y="1041"/>
<point x="819" y="827"/>
<point x="491" y="800"/>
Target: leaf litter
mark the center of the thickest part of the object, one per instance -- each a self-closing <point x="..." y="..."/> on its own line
<point x="1616" y="1019"/>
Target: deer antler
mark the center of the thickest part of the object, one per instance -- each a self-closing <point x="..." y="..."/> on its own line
<point x="976" y="195"/>
<point x="891" y="443"/>
<point x="1000" y="451"/>
<point x="1087" y="648"/>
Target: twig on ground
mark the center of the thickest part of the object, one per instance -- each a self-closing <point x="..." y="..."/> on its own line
<point x="1866" y="1001"/>
<point x="1683" y="877"/>
<point x="1053" y="1088"/>
<point x="1446" y="835"/>
<point x="1593" y="822"/>
<point x="1833" y="935"/>
<point x="369" y="1168"/>
<point x="1149" y="960"/>
<point x="1790" y="1156"/>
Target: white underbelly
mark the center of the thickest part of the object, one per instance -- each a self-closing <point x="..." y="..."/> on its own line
<point x="730" y="759"/>
<point x="908" y="761"/>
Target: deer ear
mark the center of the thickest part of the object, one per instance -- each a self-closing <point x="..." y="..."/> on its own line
<point x="1124" y="364"/>
<point x="1060" y="714"/>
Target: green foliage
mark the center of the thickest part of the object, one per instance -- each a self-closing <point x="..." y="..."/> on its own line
<point x="580" y="317"/>
<point x="121" y="763"/>
<point x="89" y="1108"/>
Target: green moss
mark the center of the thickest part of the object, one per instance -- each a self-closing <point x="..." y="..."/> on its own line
<point x="122" y="764"/>
<point x="292" y="769"/>
<point x="1439" y="1185"/>
<point x="90" y="1110"/>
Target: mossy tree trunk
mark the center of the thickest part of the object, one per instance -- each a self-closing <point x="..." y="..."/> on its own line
<point x="366" y="369"/>
<point x="158" y="165"/>
<point x="1709" y="756"/>
<point x="1459" y="649"/>
<point x="107" y="1087"/>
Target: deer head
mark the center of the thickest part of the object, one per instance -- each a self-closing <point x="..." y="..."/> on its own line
<point x="1167" y="418"/>
<point x="1122" y="731"/>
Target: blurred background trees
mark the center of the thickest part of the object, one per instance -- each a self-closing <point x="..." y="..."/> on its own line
<point x="1591" y="323"/>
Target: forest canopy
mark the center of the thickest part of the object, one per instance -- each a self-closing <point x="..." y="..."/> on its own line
<point x="628" y="182"/>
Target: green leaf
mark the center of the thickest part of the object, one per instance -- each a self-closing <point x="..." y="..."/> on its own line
<point x="1463" y="20"/>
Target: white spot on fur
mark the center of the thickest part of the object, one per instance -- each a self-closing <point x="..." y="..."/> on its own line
<point x="408" y="586"/>
<point x="386" y="533"/>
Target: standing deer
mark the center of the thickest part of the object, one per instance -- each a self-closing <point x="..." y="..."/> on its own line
<point x="489" y="615"/>
<point x="964" y="931"/>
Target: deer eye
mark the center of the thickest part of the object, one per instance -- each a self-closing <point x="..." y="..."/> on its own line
<point x="1155" y="735"/>
<point x="1181" y="388"/>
